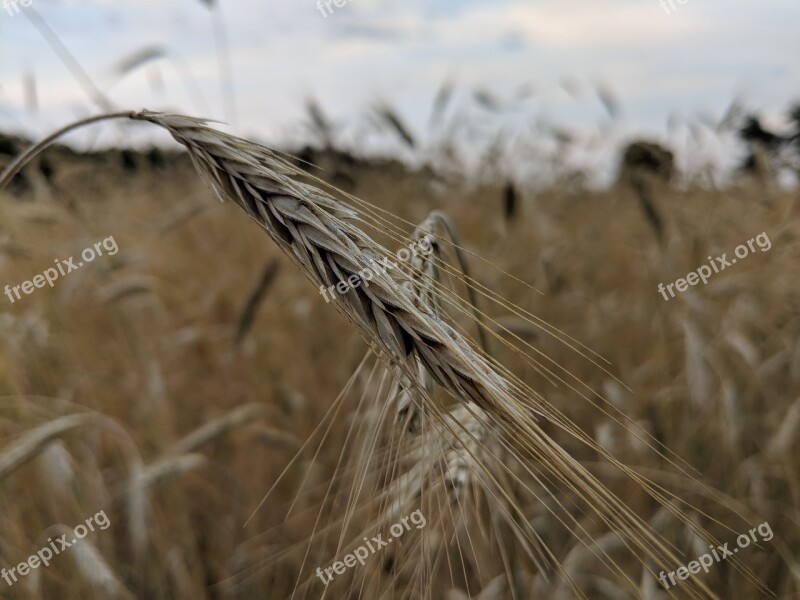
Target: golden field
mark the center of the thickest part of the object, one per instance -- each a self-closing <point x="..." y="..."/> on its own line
<point x="144" y="346"/>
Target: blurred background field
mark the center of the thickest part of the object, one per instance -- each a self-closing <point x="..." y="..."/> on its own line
<point x="153" y="342"/>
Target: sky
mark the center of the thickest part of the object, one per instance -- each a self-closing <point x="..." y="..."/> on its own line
<point x="664" y="65"/>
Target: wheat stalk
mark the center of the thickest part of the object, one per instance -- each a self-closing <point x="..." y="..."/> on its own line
<point x="215" y="429"/>
<point x="33" y="442"/>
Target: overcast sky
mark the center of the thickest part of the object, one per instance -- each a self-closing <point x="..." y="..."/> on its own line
<point x="693" y="61"/>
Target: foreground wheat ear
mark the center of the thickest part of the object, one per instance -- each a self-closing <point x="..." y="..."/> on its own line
<point x="318" y="234"/>
<point x="324" y="237"/>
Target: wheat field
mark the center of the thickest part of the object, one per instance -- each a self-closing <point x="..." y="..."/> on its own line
<point x="239" y="432"/>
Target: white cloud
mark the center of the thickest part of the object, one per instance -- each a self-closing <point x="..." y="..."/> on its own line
<point x="576" y="24"/>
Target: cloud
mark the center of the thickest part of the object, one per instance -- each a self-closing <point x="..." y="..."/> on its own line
<point x="575" y="24"/>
